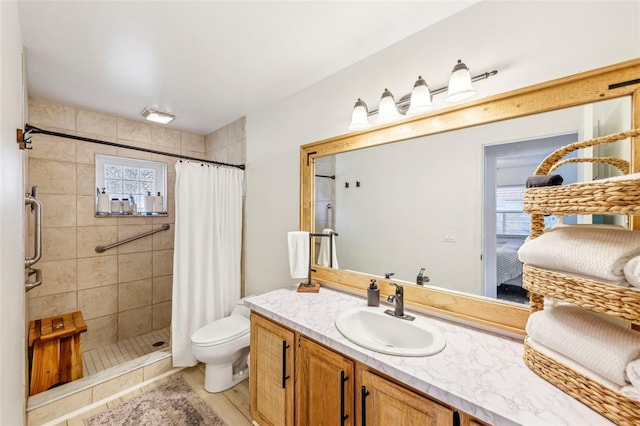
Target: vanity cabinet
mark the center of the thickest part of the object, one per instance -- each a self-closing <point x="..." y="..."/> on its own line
<point x="272" y="372"/>
<point x="325" y="386"/>
<point x="382" y="402"/>
<point x="330" y="389"/>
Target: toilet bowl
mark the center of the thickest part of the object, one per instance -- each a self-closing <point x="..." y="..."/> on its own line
<point x="223" y="346"/>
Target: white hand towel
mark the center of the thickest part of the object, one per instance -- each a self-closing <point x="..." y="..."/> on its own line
<point x="633" y="373"/>
<point x="631" y="392"/>
<point x="587" y="338"/>
<point x="298" y="253"/>
<point x="632" y="271"/>
<point x="592" y="251"/>
<point x="323" y="256"/>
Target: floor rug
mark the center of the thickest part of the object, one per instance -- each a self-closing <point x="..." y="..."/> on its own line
<point x="174" y="403"/>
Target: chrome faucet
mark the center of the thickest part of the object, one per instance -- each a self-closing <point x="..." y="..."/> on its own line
<point x="398" y="301"/>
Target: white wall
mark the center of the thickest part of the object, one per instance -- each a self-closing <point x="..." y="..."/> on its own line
<point x="527" y="41"/>
<point x="12" y="355"/>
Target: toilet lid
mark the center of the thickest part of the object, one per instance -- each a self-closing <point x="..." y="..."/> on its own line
<point x="221" y="331"/>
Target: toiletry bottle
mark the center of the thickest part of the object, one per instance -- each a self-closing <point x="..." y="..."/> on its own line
<point x="103" y="202"/>
<point x="158" y="204"/>
<point x="373" y="294"/>
<point x="134" y="207"/>
<point x="149" y="202"/>
<point x="126" y="206"/>
<point x="116" y="207"/>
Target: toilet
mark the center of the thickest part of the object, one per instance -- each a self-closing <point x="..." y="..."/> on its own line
<point x="223" y="346"/>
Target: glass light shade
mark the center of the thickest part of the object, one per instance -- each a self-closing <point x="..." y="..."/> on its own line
<point x="387" y="110"/>
<point x="460" y="88"/>
<point x="420" y="98"/>
<point x="360" y="116"/>
<point x="157" y="116"/>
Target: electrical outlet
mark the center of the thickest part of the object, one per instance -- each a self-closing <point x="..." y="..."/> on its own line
<point x="449" y="237"/>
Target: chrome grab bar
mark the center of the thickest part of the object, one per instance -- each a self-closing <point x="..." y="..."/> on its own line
<point x="30" y="285"/>
<point x="101" y="249"/>
<point x="36" y="205"/>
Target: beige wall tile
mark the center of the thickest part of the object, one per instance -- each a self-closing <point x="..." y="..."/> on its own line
<point x="236" y="131"/>
<point x="134" y="131"/>
<point x="135" y="220"/>
<point x="58" y="210"/>
<point x="58" y="408"/>
<point x="162" y="288"/>
<point x="161" y="315"/>
<point x="58" y="244"/>
<point x="50" y="114"/>
<point x="193" y="154"/>
<point x="85" y="179"/>
<point x="157" y="368"/>
<point x="163" y="137"/>
<point x="86" y="152"/>
<point x="134" y="322"/>
<point x="163" y="240"/>
<point x="134" y="266"/>
<point x="100" y="332"/>
<point x="54" y="148"/>
<point x="57" y="277"/>
<point x="170" y="217"/>
<point x="192" y="142"/>
<point x="220" y="154"/>
<point x="132" y="153"/>
<point x="91" y="236"/>
<point x="120" y="383"/>
<point x="98" y="301"/>
<point x="86" y="208"/>
<point x="97" y="124"/>
<point x="54" y="304"/>
<point x="97" y="271"/>
<point x="234" y="153"/>
<point x="53" y="177"/>
<point x="162" y="262"/>
<point x="134" y="294"/>
<point x="136" y="246"/>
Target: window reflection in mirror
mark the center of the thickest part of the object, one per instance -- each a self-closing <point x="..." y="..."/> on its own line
<point x="436" y="202"/>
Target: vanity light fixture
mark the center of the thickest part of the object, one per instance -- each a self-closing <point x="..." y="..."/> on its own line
<point x="157" y="116"/>
<point x="360" y="116"/>
<point x="460" y="87"/>
<point x="387" y="109"/>
<point x="419" y="100"/>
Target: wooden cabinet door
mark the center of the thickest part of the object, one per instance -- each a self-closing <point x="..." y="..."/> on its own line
<point x="271" y="379"/>
<point x="324" y="386"/>
<point x="382" y="403"/>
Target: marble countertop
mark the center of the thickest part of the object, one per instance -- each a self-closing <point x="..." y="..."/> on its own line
<point x="480" y="373"/>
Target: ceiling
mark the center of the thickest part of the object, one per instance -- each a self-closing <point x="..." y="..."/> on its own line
<point x="208" y="62"/>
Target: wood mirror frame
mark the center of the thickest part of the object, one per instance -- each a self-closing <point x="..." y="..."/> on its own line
<point x="609" y="82"/>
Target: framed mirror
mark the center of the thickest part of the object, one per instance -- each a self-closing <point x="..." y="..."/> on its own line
<point x="418" y="193"/>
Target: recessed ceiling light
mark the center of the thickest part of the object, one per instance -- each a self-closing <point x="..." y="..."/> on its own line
<point x="157" y="116"/>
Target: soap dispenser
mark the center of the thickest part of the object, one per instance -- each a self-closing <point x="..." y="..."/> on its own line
<point x="373" y="294"/>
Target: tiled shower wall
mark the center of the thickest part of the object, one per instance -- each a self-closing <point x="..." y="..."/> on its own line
<point x="125" y="291"/>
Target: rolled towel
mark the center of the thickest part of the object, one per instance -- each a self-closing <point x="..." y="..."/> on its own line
<point x="588" y="339"/>
<point x="585" y="250"/>
<point x="298" y="253"/>
<point x="632" y="271"/>
<point x="633" y="373"/>
<point x="543" y="180"/>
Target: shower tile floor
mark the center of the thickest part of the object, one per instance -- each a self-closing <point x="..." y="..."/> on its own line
<point x="99" y="359"/>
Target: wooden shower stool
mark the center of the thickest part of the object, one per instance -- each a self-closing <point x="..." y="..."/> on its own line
<point x="57" y="356"/>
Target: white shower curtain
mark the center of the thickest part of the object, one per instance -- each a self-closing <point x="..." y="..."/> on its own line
<point x="207" y="250"/>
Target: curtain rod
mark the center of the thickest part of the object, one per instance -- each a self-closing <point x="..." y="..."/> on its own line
<point x="24" y="139"/>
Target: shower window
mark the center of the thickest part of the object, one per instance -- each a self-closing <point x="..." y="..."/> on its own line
<point x="131" y="180"/>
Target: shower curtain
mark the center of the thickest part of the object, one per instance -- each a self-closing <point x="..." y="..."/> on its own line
<point x="207" y="250"/>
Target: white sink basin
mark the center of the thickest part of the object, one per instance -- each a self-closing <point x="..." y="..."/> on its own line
<point x="371" y="328"/>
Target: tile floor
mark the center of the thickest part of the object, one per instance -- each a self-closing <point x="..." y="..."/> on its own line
<point x="99" y="359"/>
<point x="232" y="405"/>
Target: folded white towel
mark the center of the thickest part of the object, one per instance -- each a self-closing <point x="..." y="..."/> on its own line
<point x="632" y="271"/>
<point x="590" y="340"/>
<point x="592" y="251"/>
<point x="631" y="392"/>
<point x="298" y="253"/>
<point x="633" y="373"/>
<point x="325" y="248"/>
